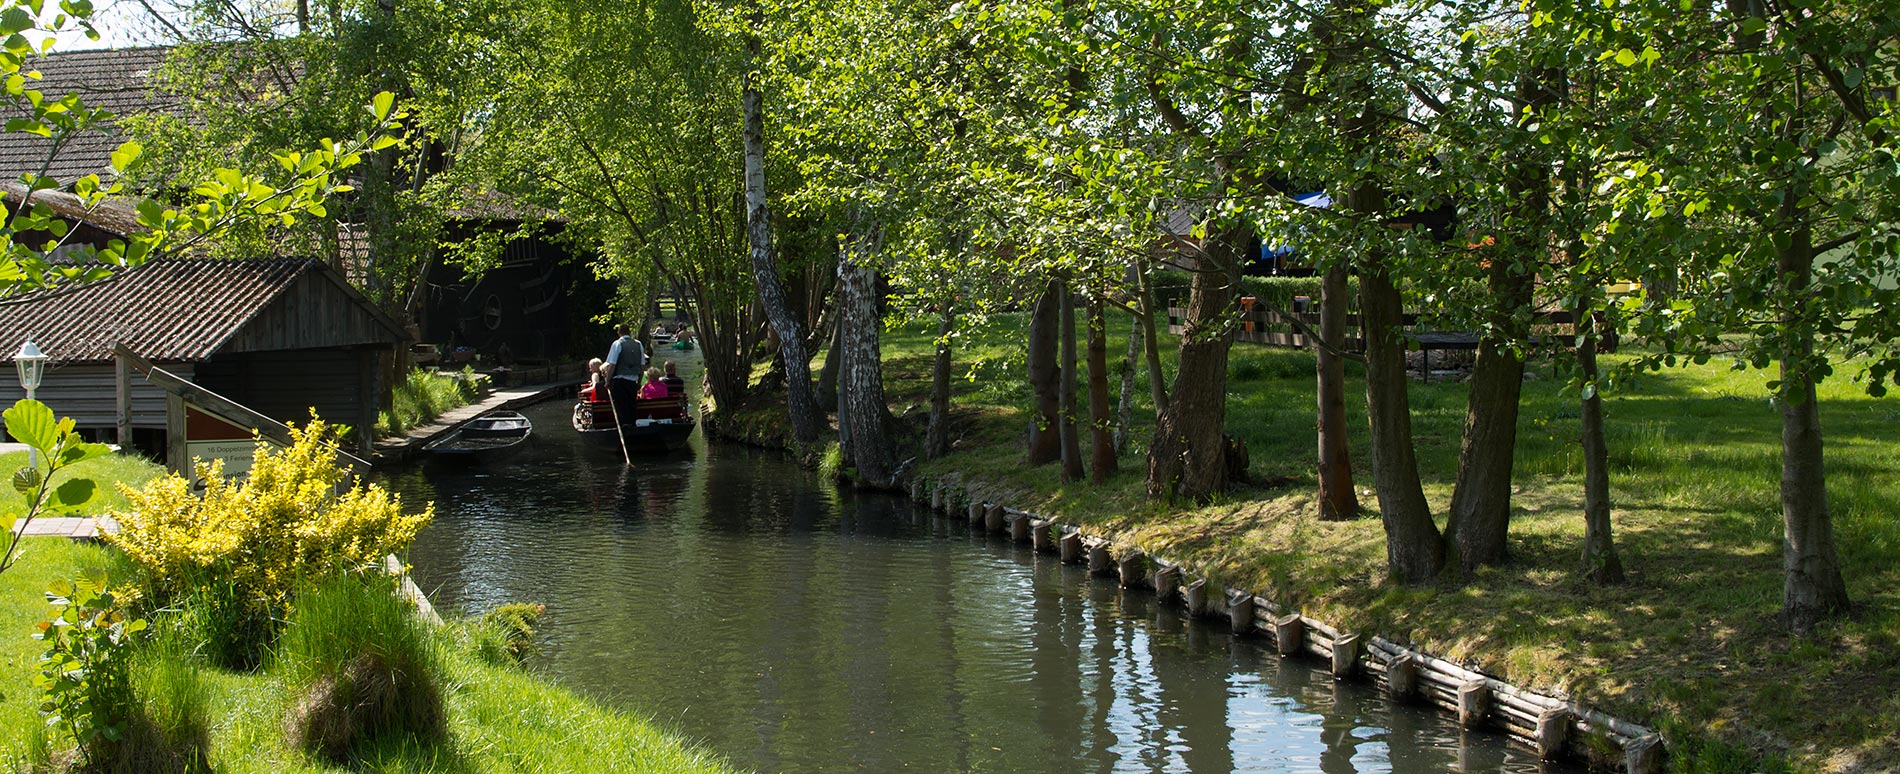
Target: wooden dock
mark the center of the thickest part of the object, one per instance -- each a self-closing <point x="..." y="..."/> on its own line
<point x="396" y="449"/>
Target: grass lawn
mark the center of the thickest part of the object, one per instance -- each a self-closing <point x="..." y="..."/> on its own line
<point x="1689" y="644"/>
<point x="129" y="469"/>
<point x="501" y="719"/>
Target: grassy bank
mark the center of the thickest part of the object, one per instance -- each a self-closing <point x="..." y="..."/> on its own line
<point x="425" y="395"/>
<point x="500" y="718"/>
<point x="1689" y="644"/>
<point x="130" y="469"/>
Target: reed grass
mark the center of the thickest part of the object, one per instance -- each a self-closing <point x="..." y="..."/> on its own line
<point x="423" y="396"/>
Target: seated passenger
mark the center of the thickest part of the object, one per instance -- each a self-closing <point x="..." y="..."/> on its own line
<point x="654" y="388"/>
<point x="675" y="386"/>
<point x="590" y="391"/>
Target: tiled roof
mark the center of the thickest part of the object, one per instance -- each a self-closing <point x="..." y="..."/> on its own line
<point x="114" y="79"/>
<point x="167" y="310"/>
<point x="117" y="215"/>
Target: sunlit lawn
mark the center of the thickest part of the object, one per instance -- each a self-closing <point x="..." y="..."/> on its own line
<point x="1694" y="454"/>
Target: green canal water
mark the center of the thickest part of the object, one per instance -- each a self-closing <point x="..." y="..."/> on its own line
<point x="792" y="626"/>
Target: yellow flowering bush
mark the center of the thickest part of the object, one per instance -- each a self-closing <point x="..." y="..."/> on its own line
<point x="250" y="543"/>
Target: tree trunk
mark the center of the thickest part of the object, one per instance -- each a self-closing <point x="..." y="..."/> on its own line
<point x="1413" y="551"/>
<point x="1600" y="562"/>
<point x="1125" y="406"/>
<point x="937" y="437"/>
<point x="861" y="380"/>
<point x="1072" y="468"/>
<point x="803" y="407"/>
<point x="1478" y="528"/>
<point x="1189" y="457"/>
<point x="1813" y="588"/>
<point x="1102" y="461"/>
<point x="1337" y="500"/>
<point x="1045" y="379"/>
<point x="1157" y="383"/>
<point x="827" y="396"/>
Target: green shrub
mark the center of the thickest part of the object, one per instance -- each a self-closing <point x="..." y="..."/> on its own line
<point x="423" y="396"/>
<point x="84" y="680"/>
<point x="233" y="555"/>
<point x="503" y="636"/>
<point x="360" y="662"/>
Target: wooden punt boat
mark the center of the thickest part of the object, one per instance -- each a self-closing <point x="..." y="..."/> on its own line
<point x="651" y="427"/>
<point x="486" y="437"/>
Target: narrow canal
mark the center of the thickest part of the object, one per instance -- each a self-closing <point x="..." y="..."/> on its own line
<point x="795" y="627"/>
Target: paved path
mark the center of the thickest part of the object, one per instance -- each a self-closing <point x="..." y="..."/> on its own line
<point x="398" y="448"/>
<point x="77" y="527"/>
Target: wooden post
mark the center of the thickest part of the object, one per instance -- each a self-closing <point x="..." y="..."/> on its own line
<point x="1474" y="703"/>
<point x="1553" y="729"/>
<point x="1197" y="597"/>
<point x="937" y="496"/>
<point x="1071" y="547"/>
<point x="1240" y="612"/>
<point x="122" y="395"/>
<point x="1345" y="655"/>
<point x="1099" y="561"/>
<point x="1401" y="678"/>
<point x="993" y="518"/>
<point x="1133" y="570"/>
<point x="1167" y="583"/>
<point x="1019" y="529"/>
<point x="1643" y="755"/>
<point x="1041" y="536"/>
<point x="177" y="456"/>
<point x="367" y="366"/>
<point x="1289" y="633"/>
<point x="976" y="514"/>
<point x="917" y="490"/>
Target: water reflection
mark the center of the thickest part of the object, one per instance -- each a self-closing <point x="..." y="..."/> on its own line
<point x="796" y="627"/>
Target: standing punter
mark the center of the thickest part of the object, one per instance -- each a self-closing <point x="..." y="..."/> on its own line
<point x="626" y="360"/>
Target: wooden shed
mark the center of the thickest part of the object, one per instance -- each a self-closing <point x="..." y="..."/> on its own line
<point x="282" y="337"/>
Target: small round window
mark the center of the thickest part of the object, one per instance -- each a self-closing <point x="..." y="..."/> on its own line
<point x="491" y="312"/>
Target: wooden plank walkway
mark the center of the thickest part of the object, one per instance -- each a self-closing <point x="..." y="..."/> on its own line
<point x="398" y="448"/>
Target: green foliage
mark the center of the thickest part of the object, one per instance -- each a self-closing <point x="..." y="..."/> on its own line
<point x="57" y="448"/>
<point x="236" y="552"/>
<point x="504" y="635"/>
<point x="364" y="666"/>
<point x="85" y="672"/>
<point x="423" y="396"/>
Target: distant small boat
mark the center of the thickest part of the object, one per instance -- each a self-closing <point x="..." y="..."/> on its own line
<point x="683" y="345"/>
<point x="488" y="436"/>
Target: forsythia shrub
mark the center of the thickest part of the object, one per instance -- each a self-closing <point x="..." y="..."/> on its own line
<point x="253" y="541"/>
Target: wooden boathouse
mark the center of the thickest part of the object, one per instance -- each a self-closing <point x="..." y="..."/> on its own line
<point x="282" y="337"/>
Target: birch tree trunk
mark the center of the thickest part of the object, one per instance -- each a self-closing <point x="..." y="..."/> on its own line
<point x="867" y="447"/>
<point x="802" y="405"/>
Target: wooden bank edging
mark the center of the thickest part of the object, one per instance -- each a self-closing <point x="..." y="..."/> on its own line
<point x="1552" y="726"/>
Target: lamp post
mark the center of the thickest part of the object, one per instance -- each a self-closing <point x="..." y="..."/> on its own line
<point x="31" y="363"/>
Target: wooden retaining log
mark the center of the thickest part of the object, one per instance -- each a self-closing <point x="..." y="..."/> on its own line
<point x="1132" y="568"/>
<point x="1042" y="536"/>
<point x="1551" y="732"/>
<point x="1240" y="611"/>
<point x="1401" y="678"/>
<point x="993" y="518"/>
<point x="1167" y="583"/>
<point x="1474" y="703"/>
<point x="1019" y="528"/>
<point x="975" y="514"/>
<point x="1345" y="656"/>
<point x="1100" y="563"/>
<point x="1643" y="755"/>
<point x="1289" y="634"/>
<point x="1196" y="593"/>
<point x="1071" y="547"/>
<point x="917" y="489"/>
<point x="937" y="497"/>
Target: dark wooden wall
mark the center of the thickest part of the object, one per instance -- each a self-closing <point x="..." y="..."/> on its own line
<point x="85" y="392"/>
<point x="285" y="385"/>
<point x="314" y="312"/>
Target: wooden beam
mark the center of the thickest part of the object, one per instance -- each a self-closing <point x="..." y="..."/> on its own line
<point x="122" y="396"/>
<point x="178" y="389"/>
